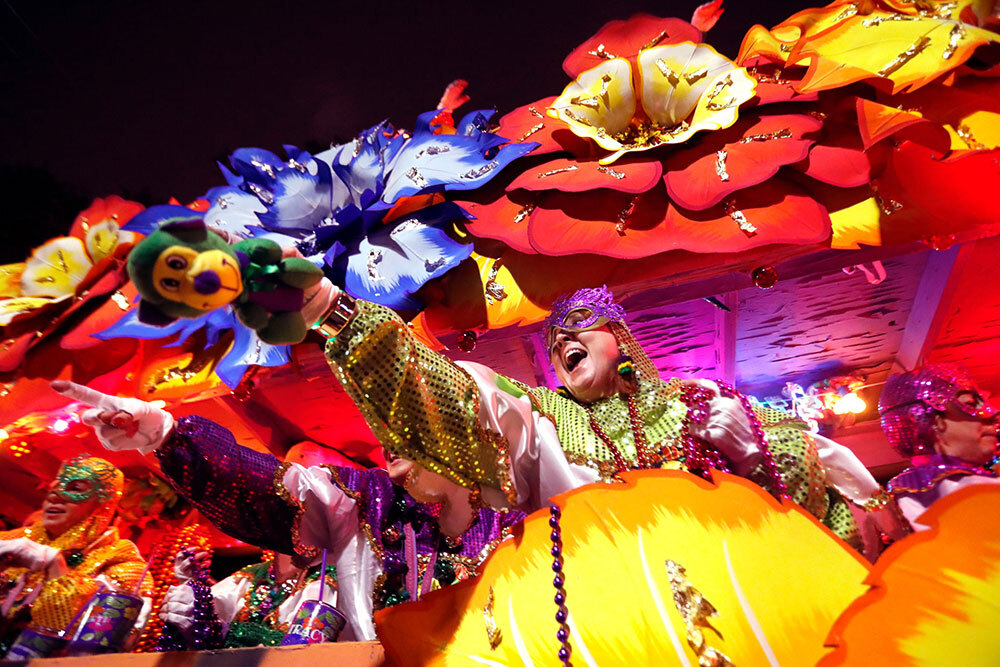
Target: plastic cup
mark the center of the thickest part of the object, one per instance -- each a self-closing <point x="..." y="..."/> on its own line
<point x="31" y="644"/>
<point x="106" y="623"/>
<point x="315" y="622"/>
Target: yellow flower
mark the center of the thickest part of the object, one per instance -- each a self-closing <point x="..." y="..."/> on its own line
<point x="682" y="89"/>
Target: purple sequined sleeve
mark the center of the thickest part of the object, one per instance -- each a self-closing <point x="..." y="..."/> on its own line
<point x="232" y="486"/>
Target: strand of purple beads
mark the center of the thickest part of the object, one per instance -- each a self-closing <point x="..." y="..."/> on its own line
<point x="562" y="615"/>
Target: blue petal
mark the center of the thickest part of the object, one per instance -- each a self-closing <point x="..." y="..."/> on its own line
<point x="256" y="165"/>
<point x="148" y="221"/>
<point x="474" y="122"/>
<point x="395" y="261"/>
<point x="248" y="350"/>
<point x="431" y="163"/>
<point x="234" y="211"/>
<point x="301" y="199"/>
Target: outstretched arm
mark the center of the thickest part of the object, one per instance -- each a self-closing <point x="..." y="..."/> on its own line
<point x="419" y="404"/>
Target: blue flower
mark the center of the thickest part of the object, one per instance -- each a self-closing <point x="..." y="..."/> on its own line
<point x="332" y="205"/>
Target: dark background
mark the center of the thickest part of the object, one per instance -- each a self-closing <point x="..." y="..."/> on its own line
<point x="141" y="98"/>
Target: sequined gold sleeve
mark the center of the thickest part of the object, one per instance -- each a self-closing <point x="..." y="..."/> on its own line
<point x="418" y="403"/>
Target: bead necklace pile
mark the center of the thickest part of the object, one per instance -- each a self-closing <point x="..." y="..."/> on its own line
<point x="642" y="451"/>
<point x="207" y="628"/>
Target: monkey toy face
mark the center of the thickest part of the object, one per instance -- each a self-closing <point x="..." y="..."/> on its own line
<point x="204" y="280"/>
<point x="182" y="269"/>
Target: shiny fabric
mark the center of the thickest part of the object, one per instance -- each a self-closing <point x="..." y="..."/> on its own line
<point x="910" y="400"/>
<point x="932" y="477"/>
<point x="232" y="486"/>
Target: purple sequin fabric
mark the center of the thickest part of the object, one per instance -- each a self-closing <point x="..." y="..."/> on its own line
<point x="386" y="508"/>
<point x="232" y="486"/>
<point x="910" y="400"/>
<point x="921" y="480"/>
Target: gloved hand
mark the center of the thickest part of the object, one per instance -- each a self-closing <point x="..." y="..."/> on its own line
<point x="184" y="567"/>
<point x="120" y="423"/>
<point x="177" y="607"/>
<point x="728" y="429"/>
<point x="22" y="552"/>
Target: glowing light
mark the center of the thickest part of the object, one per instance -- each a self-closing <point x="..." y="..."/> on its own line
<point x="3" y="434"/>
<point x="849" y="403"/>
<point x="19" y="449"/>
<point x="60" y="425"/>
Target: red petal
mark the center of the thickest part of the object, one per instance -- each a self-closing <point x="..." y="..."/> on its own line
<point x="529" y="123"/>
<point x="500" y="216"/>
<point x="12" y="351"/>
<point x="691" y="176"/>
<point x="960" y="190"/>
<point x="706" y="15"/>
<point x="624" y="39"/>
<point x="113" y="207"/>
<point x="840" y="159"/>
<point x="781" y="211"/>
<point x="585" y="222"/>
<point x="570" y="175"/>
<point x="81" y="336"/>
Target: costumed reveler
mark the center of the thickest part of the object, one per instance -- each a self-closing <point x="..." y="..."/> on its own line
<point x="520" y="445"/>
<point x="387" y="546"/>
<point x="252" y="607"/>
<point x="53" y="565"/>
<point x="937" y="418"/>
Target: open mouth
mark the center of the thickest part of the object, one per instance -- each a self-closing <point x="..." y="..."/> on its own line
<point x="573" y="356"/>
<point x="54" y="511"/>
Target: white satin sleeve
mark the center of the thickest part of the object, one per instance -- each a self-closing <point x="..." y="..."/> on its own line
<point x="330" y="521"/>
<point x="538" y="467"/>
<point x="845" y="472"/>
<point x="228" y="597"/>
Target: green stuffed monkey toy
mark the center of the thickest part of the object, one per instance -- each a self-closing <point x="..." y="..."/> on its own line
<point x="184" y="270"/>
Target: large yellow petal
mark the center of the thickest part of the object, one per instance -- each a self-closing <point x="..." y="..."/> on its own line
<point x="776" y="577"/>
<point x="909" y="51"/>
<point x="103" y="238"/>
<point x="506" y="304"/>
<point x="856" y="224"/>
<point x="599" y="104"/>
<point x="675" y="76"/>
<point x="11" y="308"/>
<point x="56" y="268"/>
<point x="719" y="106"/>
<point x="10" y="279"/>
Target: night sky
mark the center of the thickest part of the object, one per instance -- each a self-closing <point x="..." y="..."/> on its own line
<point x="140" y="99"/>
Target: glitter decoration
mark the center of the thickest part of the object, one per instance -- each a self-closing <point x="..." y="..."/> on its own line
<point x="106" y="481"/>
<point x="954" y="37"/>
<point x="906" y="56"/>
<point x="720" y="165"/>
<point x="695" y="610"/>
<point x="785" y="133"/>
<point x="524" y="212"/>
<point x="415" y="176"/>
<point x="546" y="174"/>
<point x="740" y="219"/>
<point x="617" y="175"/>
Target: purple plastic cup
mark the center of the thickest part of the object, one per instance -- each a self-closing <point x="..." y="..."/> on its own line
<point x="315" y="622"/>
<point x="106" y="623"/>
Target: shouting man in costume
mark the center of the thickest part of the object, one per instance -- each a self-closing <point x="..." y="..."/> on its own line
<point x="937" y="417"/>
<point x="51" y="567"/>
